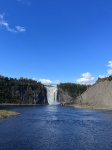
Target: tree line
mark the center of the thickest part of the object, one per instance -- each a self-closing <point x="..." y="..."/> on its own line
<point x="21" y="90"/>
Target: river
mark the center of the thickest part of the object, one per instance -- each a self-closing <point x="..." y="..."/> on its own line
<point x="56" y="128"/>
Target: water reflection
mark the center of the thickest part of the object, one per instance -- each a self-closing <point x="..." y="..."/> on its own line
<point x="56" y="128"/>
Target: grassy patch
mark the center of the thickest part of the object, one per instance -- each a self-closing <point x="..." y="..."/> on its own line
<point x="6" y="113"/>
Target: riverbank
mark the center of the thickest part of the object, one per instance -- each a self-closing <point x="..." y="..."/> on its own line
<point x="86" y="106"/>
<point x="90" y="107"/>
<point x="12" y="104"/>
<point x="7" y="113"/>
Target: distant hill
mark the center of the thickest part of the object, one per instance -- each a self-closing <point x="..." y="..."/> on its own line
<point x="99" y="95"/>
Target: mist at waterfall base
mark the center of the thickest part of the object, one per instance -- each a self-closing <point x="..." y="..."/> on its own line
<point x="52" y="95"/>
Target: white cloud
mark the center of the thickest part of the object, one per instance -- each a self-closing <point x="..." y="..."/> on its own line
<point x="21" y="29"/>
<point x="1" y="16"/>
<point x="45" y="81"/>
<point x="48" y="82"/>
<point x="86" y="78"/>
<point x="5" y="24"/>
<point x="109" y="72"/>
<point x="24" y="2"/>
<point x="101" y="76"/>
<point x="110" y="64"/>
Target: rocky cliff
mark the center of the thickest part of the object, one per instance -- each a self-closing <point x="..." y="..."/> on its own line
<point x="42" y="97"/>
<point x="63" y="96"/>
<point x="67" y="92"/>
<point x="98" y="95"/>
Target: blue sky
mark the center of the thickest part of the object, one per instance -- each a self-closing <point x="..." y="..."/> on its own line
<point x="56" y="40"/>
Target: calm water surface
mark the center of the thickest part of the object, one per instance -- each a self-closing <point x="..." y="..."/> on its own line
<point x="56" y="128"/>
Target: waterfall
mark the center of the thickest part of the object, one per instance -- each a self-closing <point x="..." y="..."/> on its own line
<point x="52" y="95"/>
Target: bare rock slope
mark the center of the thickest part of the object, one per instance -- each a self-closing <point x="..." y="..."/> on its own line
<point x="98" y="95"/>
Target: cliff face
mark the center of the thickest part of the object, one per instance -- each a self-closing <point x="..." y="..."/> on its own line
<point x="98" y="95"/>
<point x="34" y="98"/>
<point x="67" y="92"/>
<point x="63" y="96"/>
<point x="42" y="97"/>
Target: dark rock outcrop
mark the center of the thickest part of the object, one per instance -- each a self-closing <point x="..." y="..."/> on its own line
<point x="42" y="97"/>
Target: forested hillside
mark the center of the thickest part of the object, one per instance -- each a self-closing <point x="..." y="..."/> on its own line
<point x="23" y="90"/>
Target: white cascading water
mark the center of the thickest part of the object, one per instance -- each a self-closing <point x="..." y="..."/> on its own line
<point x="52" y="95"/>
